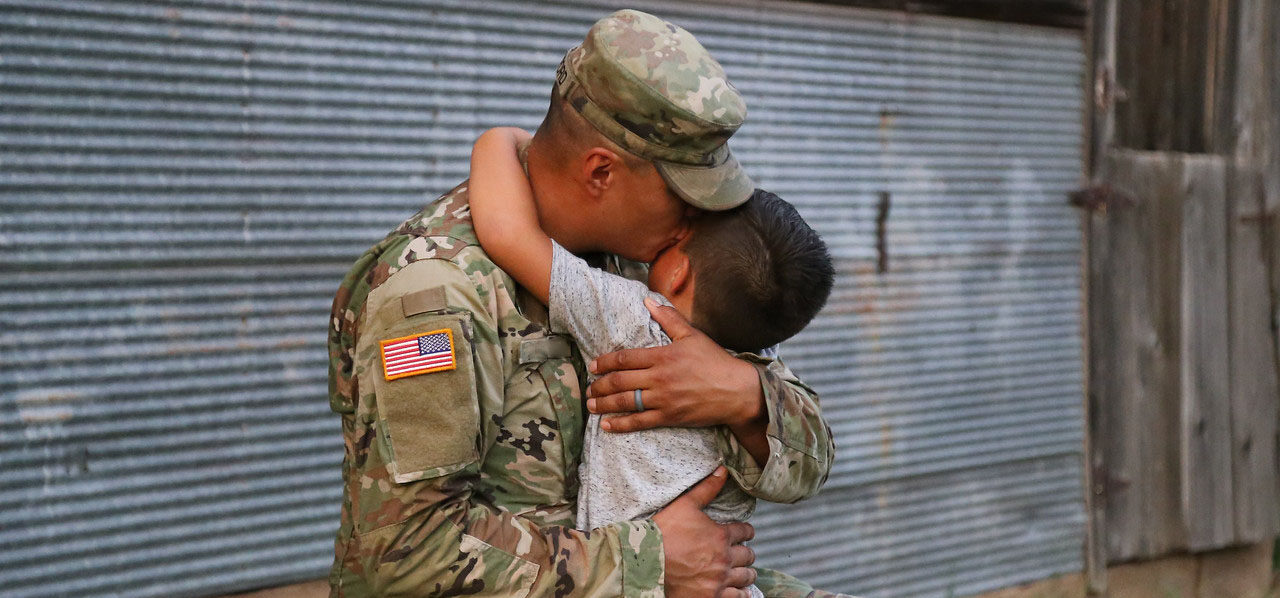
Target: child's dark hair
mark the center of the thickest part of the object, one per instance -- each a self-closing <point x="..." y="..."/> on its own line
<point x="760" y="273"/>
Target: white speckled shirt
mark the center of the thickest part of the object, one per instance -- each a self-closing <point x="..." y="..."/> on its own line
<point x="629" y="476"/>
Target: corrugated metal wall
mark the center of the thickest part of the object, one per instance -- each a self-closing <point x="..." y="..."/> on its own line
<point x="952" y="380"/>
<point x="184" y="183"/>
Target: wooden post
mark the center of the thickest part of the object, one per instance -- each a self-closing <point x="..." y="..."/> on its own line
<point x="1099" y="88"/>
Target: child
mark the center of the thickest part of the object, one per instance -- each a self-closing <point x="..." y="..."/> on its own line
<point x="748" y="277"/>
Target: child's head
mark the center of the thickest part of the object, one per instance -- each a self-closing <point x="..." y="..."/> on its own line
<point x="759" y="273"/>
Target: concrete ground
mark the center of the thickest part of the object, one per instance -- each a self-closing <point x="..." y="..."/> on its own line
<point x="1242" y="572"/>
<point x="310" y="589"/>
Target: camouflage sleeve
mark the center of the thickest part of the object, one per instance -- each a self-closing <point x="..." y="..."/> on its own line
<point x="800" y="446"/>
<point x="775" y="584"/>
<point x="425" y="523"/>
<point x="459" y="546"/>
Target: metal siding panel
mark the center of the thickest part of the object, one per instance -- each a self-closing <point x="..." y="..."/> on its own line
<point x="952" y="381"/>
<point x="177" y="186"/>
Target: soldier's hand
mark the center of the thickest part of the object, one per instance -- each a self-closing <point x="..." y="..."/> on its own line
<point x="692" y="382"/>
<point x="704" y="559"/>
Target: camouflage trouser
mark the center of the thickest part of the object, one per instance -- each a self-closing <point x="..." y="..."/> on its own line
<point x="776" y="584"/>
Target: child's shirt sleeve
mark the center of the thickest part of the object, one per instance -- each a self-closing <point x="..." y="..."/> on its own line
<point x="602" y="311"/>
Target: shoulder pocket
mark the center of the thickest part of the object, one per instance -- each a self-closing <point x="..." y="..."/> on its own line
<point x="423" y="375"/>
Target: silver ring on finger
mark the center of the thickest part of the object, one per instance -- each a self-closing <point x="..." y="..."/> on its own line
<point x="639" y="402"/>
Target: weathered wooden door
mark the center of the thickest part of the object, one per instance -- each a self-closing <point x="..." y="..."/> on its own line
<point x="1181" y="286"/>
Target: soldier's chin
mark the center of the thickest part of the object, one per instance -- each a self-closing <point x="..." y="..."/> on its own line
<point x="582" y="248"/>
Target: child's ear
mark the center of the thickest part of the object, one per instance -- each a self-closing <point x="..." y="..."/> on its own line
<point x="681" y="274"/>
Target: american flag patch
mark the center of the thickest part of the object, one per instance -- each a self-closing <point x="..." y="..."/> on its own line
<point x="418" y="354"/>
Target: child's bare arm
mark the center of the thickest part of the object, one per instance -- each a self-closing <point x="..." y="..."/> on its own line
<point x="503" y="212"/>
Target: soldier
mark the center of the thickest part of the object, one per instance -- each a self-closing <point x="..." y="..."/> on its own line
<point x="462" y="414"/>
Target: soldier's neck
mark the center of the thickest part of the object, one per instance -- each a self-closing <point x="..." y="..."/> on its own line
<point x="539" y="165"/>
<point x="557" y="200"/>
<point x="536" y="157"/>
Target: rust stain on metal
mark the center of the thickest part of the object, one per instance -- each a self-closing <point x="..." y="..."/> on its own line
<point x="882" y="244"/>
<point x="292" y="343"/>
<point x="886" y="439"/>
<point x="51" y="397"/>
<point x="44" y="416"/>
<point x="1262" y="218"/>
<point x="45" y="407"/>
<point x="1101" y="197"/>
<point x="887" y="118"/>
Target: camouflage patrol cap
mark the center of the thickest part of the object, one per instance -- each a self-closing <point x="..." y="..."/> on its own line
<point x="650" y="87"/>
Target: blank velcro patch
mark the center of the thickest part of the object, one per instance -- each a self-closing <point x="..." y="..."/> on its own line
<point x="421" y="353"/>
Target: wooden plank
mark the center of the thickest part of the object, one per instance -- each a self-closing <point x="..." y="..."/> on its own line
<point x="1253" y="98"/>
<point x="1135" y="60"/>
<point x="1159" y="356"/>
<point x="1222" y="19"/>
<point x="1255" y="390"/>
<point x="1134" y="326"/>
<point x="1271" y="176"/>
<point x="1172" y="74"/>
<point x="1205" y="441"/>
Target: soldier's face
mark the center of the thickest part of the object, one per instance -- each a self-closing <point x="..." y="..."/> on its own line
<point x="643" y="217"/>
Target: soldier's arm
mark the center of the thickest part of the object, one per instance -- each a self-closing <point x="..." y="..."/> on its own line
<point x="690" y="383"/>
<point x="801" y="449"/>
<point x="424" y="525"/>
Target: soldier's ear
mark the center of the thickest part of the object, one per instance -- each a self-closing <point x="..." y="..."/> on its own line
<point x="600" y="171"/>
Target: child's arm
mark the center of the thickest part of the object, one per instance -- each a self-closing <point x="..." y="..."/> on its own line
<point x="602" y="312"/>
<point x="503" y="212"/>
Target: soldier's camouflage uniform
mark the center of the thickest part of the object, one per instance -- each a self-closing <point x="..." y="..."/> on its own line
<point x="461" y="482"/>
